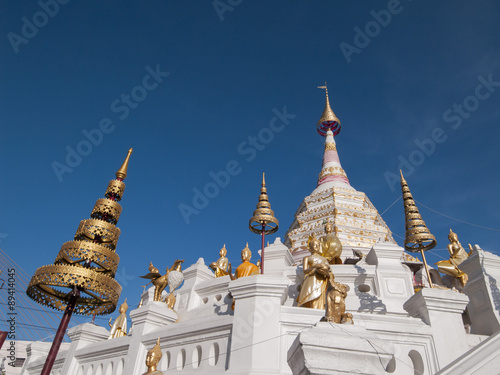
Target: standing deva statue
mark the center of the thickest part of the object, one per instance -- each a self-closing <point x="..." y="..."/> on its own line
<point x="316" y="273"/>
<point x="119" y="327"/>
<point x="335" y="303"/>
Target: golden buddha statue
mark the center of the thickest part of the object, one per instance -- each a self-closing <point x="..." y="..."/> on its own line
<point x="220" y="267"/>
<point x="152" y="359"/>
<point x="316" y="272"/>
<point x="119" y="327"/>
<point x="457" y="256"/>
<point x="332" y="248"/>
<point x="246" y="268"/>
<point x="335" y="302"/>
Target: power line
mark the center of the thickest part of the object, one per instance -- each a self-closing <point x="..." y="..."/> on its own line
<point x="460" y="221"/>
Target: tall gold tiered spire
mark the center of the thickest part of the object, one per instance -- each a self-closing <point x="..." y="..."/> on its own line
<point x="263" y="221"/>
<point x="88" y="264"/>
<point x="418" y="238"/>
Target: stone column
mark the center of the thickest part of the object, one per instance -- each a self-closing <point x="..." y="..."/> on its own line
<point x="393" y="279"/>
<point x="145" y="319"/>
<point x="255" y="339"/>
<point x="483" y="269"/>
<point x="442" y="309"/>
<point x="331" y="349"/>
<point x="276" y="258"/>
<point x="81" y="336"/>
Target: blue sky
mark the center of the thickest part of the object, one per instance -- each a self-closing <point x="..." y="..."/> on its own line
<point x="186" y="84"/>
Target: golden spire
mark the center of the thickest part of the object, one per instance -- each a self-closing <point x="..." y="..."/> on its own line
<point x="418" y="238"/>
<point x="328" y="119"/>
<point x="89" y="263"/>
<point x="418" y="235"/>
<point x="122" y="172"/>
<point x="263" y="216"/>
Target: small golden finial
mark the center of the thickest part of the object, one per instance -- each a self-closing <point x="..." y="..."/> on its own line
<point x="122" y="172"/>
<point x="328" y="120"/>
<point x="263" y="219"/>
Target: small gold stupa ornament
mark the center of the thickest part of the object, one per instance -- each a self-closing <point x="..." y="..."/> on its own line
<point x="328" y="120"/>
<point x="263" y="221"/>
<point x="418" y="238"/>
<point x="84" y="269"/>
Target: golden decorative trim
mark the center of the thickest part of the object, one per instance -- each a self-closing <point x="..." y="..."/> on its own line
<point x="106" y="207"/>
<point x="116" y="189"/>
<point x="47" y="288"/>
<point x="78" y="251"/>
<point x="330" y="147"/>
<point x="90" y="228"/>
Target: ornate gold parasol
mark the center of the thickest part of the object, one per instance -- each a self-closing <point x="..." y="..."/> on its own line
<point x="263" y="221"/>
<point x="81" y="280"/>
<point x="418" y="238"/>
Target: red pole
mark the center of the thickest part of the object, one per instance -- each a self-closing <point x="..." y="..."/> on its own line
<point x="49" y="362"/>
<point x="262" y="252"/>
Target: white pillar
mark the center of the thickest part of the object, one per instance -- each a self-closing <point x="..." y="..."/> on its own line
<point x="442" y="309"/>
<point x="331" y="349"/>
<point x="81" y="336"/>
<point x="145" y="319"/>
<point x="255" y="339"/>
<point x="483" y="269"/>
<point x="394" y="280"/>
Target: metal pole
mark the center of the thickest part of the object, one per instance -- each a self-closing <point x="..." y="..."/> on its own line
<point x="54" y="349"/>
<point x="262" y="251"/>
<point x="426" y="268"/>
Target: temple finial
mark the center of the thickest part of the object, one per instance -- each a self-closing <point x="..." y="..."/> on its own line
<point x="418" y="238"/>
<point x="121" y="174"/>
<point x="328" y="120"/>
<point x="263" y="217"/>
<point x="263" y="180"/>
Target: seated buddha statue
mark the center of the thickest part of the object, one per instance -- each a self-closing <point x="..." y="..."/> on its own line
<point x="220" y="267"/>
<point x="457" y="256"/>
<point x="246" y="268"/>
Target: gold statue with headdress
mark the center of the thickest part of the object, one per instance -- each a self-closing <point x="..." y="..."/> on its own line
<point x="220" y="267"/>
<point x="457" y="256"/>
<point x="335" y="303"/>
<point x="152" y="359"/>
<point x="246" y="268"/>
<point x="332" y="247"/>
<point x="316" y="272"/>
<point x="119" y="327"/>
